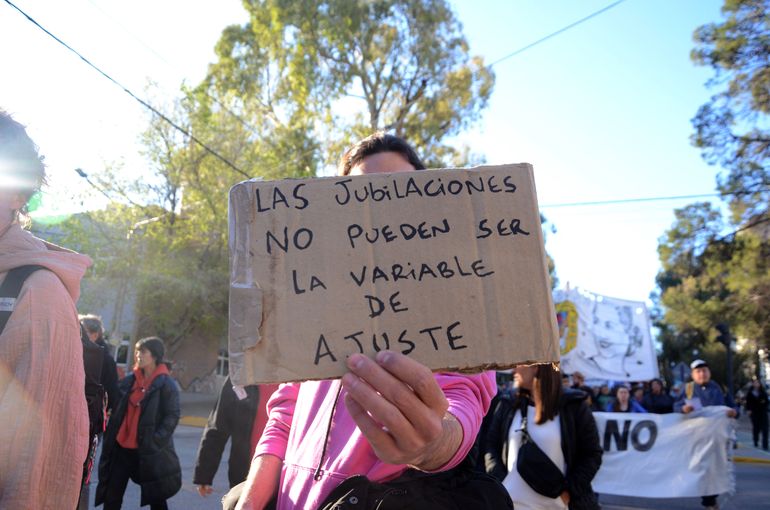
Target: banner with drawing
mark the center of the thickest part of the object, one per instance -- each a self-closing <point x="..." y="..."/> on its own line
<point x="666" y="455"/>
<point x="604" y="337"/>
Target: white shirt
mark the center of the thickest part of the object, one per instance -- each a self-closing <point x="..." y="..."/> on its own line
<point x="548" y="437"/>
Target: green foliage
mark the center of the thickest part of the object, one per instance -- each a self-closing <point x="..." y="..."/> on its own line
<point x="400" y="66"/>
<point x="709" y="275"/>
<point x="733" y="129"/>
<point x="289" y="91"/>
<point x="707" y="278"/>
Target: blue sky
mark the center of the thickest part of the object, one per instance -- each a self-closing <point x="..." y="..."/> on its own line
<point x="602" y="111"/>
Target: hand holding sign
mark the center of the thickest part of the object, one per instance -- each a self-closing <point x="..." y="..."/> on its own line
<point x="401" y="410"/>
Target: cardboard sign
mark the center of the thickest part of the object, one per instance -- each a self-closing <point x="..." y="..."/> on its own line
<point x="445" y="266"/>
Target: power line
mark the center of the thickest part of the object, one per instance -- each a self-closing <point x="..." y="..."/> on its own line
<point x="554" y="34"/>
<point x="296" y="158"/>
<point x="630" y="200"/>
<point x="652" y="199"/>
<point x="127" y="91"/>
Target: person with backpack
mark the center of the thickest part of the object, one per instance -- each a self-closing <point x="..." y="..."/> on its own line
<point x="43" y="416"/>
<point x="544" y="444"/>
<point x="699" y="393"/>
<point x="109" y="379"/>
<point x="138" y="443"/>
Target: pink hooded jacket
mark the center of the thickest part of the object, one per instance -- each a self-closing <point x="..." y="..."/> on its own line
<point x="43" y="414"/>
<point x="300" y="413"/>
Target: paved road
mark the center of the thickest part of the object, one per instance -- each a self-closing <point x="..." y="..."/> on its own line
<point x="753" y="480"/>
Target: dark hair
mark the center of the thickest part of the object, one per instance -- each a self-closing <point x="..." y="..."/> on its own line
<point x="93" y="324"/>
<point x="374" y="144"/>
<point x="546" y="392"/>
<point x="19" y="158"/>
<point x="616" y="402"/>
<point x="154" y="346"/>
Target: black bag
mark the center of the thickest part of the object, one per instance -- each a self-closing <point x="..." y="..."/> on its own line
<point x="535" y="467"/>
<point x="460" y="488"/>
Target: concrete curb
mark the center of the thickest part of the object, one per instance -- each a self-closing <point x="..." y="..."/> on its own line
<point x="751" y="460"/>
<point x="193" y="421"/>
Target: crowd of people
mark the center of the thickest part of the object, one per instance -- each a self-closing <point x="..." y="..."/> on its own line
<point x="389" y="434"/>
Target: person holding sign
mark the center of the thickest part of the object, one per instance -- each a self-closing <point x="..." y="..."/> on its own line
<point x="385" y="415"/>
<point x="699" y="393"/>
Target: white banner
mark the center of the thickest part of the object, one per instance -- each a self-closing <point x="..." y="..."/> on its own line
<point x="666" y="455"/>
<point x="604" y="338"/>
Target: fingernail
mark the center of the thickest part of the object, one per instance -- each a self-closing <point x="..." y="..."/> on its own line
<point x="383" y="357"/>
<point x="349" y="381"/>
<point x="355" y="361"/>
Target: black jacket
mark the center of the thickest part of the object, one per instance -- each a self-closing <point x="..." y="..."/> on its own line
<point x="579" y="443"/>
<point x="756" y="404"/>
<point x="233" y="419"/>
<point x="658" y="404"/>
<point x="160" y="475"/>
<point x="109" y="377"/>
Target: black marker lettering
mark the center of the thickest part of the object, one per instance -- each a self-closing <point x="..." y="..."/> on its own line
<point x="318" y="355"/>
<point x="452" y="338"/>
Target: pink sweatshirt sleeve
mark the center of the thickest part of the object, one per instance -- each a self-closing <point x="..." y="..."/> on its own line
<point x="469" y="397"/>
<point x="280" y="411"/>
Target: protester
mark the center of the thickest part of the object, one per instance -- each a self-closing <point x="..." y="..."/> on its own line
<point x="43" y="415"/>
<point x="624" y="403"/>
<point x="637" y="393"/>
<point x="571" y="442"/>
<point x="95" y="332"/>
<point x="756" y="406"/>
<point x="240" y="415"/>
<point x="579" y="383"/>
<point x="604" y="398"/>
<point x="566" y="382"/>
<point x="386" y="414"/>
<point x="138" y="442"/>
<point x="703" y="392"/>
<point x="676" y="391"/>
<point x="657" y="400"/>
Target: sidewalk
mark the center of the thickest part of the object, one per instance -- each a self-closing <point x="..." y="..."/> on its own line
<point x="745" y="451"/>
<point x="196" y="408"/>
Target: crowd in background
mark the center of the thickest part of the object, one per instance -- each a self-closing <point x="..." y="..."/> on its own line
<point x="653" y="396"/>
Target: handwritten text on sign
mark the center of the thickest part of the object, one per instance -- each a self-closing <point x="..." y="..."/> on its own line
<point x="446" y="266"/>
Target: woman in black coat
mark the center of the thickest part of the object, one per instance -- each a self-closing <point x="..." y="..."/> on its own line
<point x="575" y="435"/>
<point x="138" y="442"/>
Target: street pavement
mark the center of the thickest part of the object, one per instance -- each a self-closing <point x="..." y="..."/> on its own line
<point x="752" y="470"/>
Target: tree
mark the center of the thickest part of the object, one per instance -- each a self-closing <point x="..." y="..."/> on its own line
<point x="400" y="66"/>
<point x="715" y="269"/>
<point x="287" y="92"/>
<point x="733" y="128"/>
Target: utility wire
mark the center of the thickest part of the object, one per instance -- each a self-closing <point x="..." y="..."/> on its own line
<point x="746" y="227"/>
<point x="649" y="199"/>
<point x="127" y="91"/>
<point x="250" y="127"/>
<point x="629" y="200"/>
<point x="554" y="34"/>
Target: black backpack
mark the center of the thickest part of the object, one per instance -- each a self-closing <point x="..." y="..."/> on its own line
<point x="93" y="357"/>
